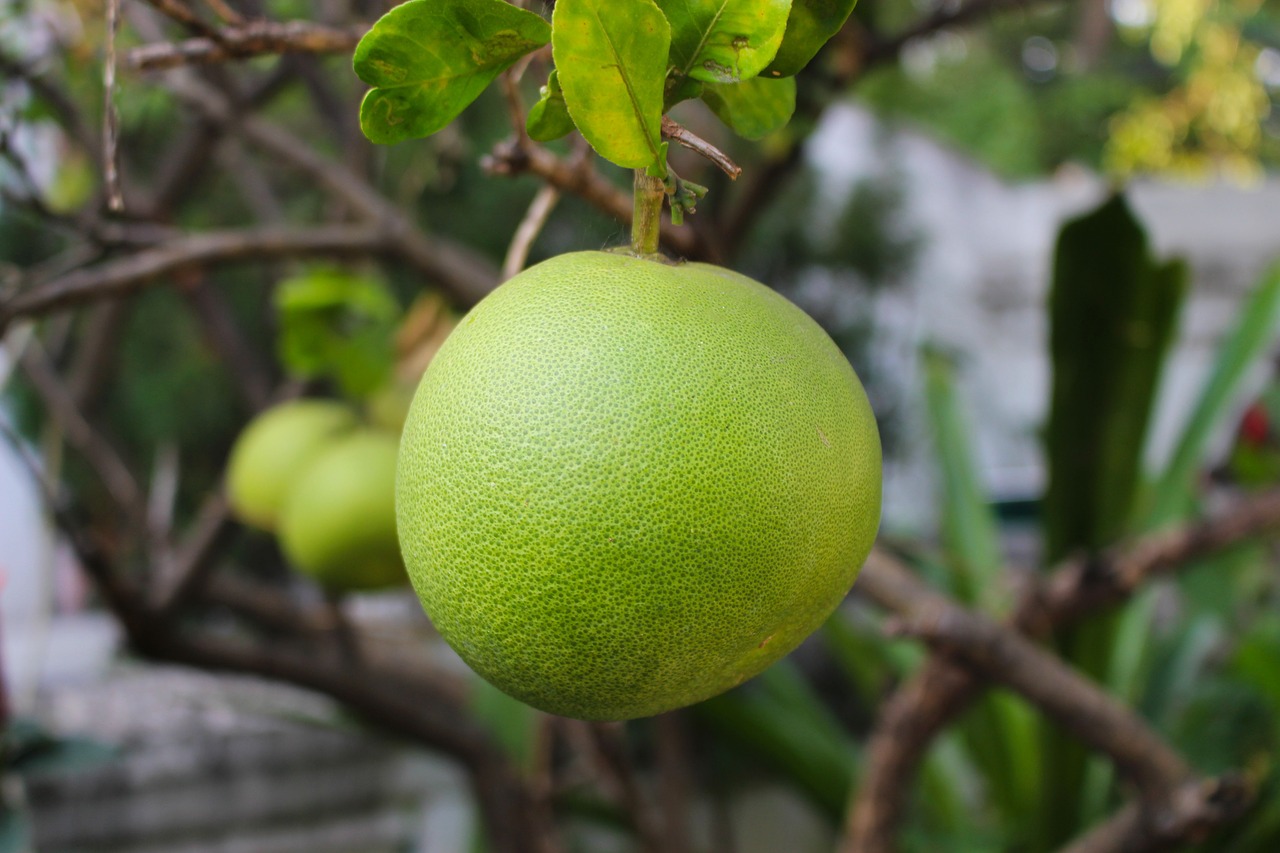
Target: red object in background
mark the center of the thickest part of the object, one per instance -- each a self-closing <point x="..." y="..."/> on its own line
<point x="1255" y="426"/>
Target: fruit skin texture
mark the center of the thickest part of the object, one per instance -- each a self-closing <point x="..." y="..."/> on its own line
<point x="339" y="524"/>
<point x="274" y="449"/>
<point x="626" y="486"/>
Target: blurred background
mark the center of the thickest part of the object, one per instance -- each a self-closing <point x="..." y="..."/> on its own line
<point x="913" y="205"/>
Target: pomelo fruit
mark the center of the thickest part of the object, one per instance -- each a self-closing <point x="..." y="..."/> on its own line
<point x="338" y="524"/>
<point x="272" y="451"/>
<point x="626" y="486"/>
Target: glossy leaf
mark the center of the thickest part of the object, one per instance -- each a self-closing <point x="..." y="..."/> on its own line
<point x="429" y="59"/>
<point x="549" y="118"/>
<point x="724" y="41"/>
<point x="612" y="61"/>
<point x="754" y="108"/>
<point x="811" y="24"/>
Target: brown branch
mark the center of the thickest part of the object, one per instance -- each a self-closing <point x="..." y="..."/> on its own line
<point x="465" y="275"/>
<point x="181" y="13"/>
<point x="1005" y="657"/>
<point x="687" y="138"/>
<point x="535" y="219"/>
<point x="255" y="38"/>
<point x="81" y="435"/>
<point x="610" y="744"/>
<point x="126" y="274"/>
<point x="942" y="690"/>
<point x="1193" y="812"/>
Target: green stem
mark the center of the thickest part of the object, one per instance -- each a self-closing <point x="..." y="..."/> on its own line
<point x="646" y="219"/>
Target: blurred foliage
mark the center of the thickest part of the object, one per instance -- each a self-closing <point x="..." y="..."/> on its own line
<point x="1170" y="86"/>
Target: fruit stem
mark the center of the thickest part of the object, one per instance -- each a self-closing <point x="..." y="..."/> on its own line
<point x="646" y="219"/>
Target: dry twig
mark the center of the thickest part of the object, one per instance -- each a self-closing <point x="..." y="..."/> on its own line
<point x="247" y="40"/>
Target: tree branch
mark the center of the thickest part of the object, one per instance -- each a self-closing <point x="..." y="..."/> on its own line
<point x="466" y="276"/>
<point x="1006" y="657"/>
<point x="1193" y="812"/>
<point x="254" y="38"/>
<point x="942" y="690"/>
<point x="687" y="138"/>
<point x="126" y="274"/>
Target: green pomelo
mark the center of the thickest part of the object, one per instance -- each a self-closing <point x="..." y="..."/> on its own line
<point x="339" y="522"/>
<point x="626" y="486"/>
<point x="273" y="449"/>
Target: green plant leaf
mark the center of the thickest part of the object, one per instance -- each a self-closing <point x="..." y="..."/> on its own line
<point x="513" y="723"/>
<point x="1254" y="331"/>
<point x="969" y="530"/>
<point x="818" y="758"/>
<point x="754" y="108"/>
<point x="1113" y="311"/>
<point x="338" y="325"/>
<point x="811" y="24"/>
<point x="724" y="41"/>
<point x="549" y="118"/>
<point x="612" y="59"/>
<point x="428" y="59"/>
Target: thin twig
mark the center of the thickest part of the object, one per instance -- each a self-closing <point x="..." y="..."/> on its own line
<point x="462" y="273"/>
<point x="610" y="741"/>
<point x="245" y="41"/>
<point x="535" y="219"/>
<point x="110" y="116"/>
<point x="698" y="145"/>
<point x="181" y="13"/>
<point x="101" y="456"/>
<point x="582" y="180"/>
<point x="225" y="12"/>
<point x="127" y="273"/>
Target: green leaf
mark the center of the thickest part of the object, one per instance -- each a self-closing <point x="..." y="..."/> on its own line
<point x="428" y="59"/>
<point x="612" y="59"/>
<point x="754" y="108"/>
<point x="969" y="530"/>
<point x="1254" y="332"/>
<point x="549" y="118"/>
<point x="339" y="325"/>
<point x="818" y="759"/>
<point x="1113" y="311"/>
<point x="724" y="41"/>
<point x="811" y="24"/>
<point x="513" y="723"/>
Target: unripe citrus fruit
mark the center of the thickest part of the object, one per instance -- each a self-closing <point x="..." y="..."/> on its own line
<point x="627" y="486"/>
<point x="273" y="450"/>
<point x="338" y="524"/>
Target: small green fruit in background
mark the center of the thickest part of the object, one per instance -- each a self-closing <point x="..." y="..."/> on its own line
<point x="338" y="524"/>
<point x="626" y="486"/>
<point x="274" y="449"/>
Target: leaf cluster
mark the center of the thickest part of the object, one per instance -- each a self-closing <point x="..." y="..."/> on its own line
<point x="619" y="66"/>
